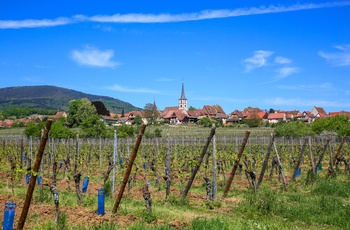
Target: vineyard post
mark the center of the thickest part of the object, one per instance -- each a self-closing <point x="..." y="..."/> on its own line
<point x="196" y="168"/>
<point x="297" y="165"/>
<point x="330" y="171"/>
<point x="34" y="175"/>
<point x="115" y="166"/>
<point x="323" y="152"/>
<point x="235" y="166"/>
<point x="280" y="167"/>
<point x="128" y="170"/>
<point x="265" y="163"/>
<point x="214" y="183"/>
<point x="311" y="157"/>
<point x="167" y="169"/>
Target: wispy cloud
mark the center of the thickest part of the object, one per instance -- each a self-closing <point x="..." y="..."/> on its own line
<point x="34" y="23"/>
<point x="278" y="101"/>
<point x="94" y="57"/>
<point x="339" y="58"/>
<point x="282" y="60"/>
<point x="123" y="89"/>
<point x="313" y="87"/>
<point x="164" y="79"/>
<point x="166" y="18"/>
<point x="259" y="59"/>
<point x="286" y="71"/>
<point x="206" y="14"/>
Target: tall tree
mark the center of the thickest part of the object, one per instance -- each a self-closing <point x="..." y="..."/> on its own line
<point x="151" y="112"/>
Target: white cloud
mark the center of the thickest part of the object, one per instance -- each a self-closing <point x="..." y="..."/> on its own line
<point x="34" y="23"/>
<point x="165" y="18"/>
<point x="258" y="60"/>
<point x="282" y="60"/>
<point x="286" y="71"/>
<point x="94" y="57"/>
<point x="316" y="87"/>
<point x="120" y="88"/>
<point x="340" y="58"/>
<point x="206" y="14"/>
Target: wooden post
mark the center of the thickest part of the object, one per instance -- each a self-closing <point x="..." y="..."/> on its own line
<point x="313" y="168"/>
<point x="335" y="159"/>
<point x="196" y="168"/>
<point x="323" y="151"/>
<point x="235" y="166"/>
<point x="128" y="170"/>
<point x="266" y="160"/>
<point x="32" y="181"/>
<point x="280" y="167"/>
<point x="297" y="165"/>
<point x="214" y="176"/>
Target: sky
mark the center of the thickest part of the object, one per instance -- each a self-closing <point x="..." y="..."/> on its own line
<point x="285" y="55"/>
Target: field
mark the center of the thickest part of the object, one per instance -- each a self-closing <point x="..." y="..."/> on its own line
<point x="309" y="201"/>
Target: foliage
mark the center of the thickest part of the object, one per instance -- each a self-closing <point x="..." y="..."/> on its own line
<point x="59" y="130"/>
<point x="339" y="124"/>
<point x="205" y="122"/>
<point x="25" y="112"/>
<point x="151" y="112"/>
<point x="254" y="121"/>
<point x="292" y="129"/>
<point x="33" y="130"/>
<point x="125" y="131"/>
<point x="138" y="120"/>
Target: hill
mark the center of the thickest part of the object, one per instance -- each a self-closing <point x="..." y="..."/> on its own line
<point x="53" y="97"/>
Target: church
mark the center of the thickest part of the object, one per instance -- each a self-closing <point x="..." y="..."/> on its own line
<point x="180" y="114"/>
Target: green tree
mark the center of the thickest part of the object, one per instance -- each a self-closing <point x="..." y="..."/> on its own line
<point x="33" y="130"/>
<point x="191" y="108"/>
<point x="254" y="121"/>
<point x="138" y="120"/>
<point x="292" y="129"/>
<point x="205" y="122"/>
<point x="151" y="112"/>
<point x="338" y="124"/>
<point x="59" y="130"/>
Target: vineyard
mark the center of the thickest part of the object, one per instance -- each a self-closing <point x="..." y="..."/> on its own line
<point x="190" y="178"/>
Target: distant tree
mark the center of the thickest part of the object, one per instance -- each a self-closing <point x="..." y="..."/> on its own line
<point x="79" y="111"/>
<point x="271" y="110"/>
<point x="205" y="122"/>
<point x="191" y="108"/>
<point x="292" y="129"/>
<point x="123" y="113"/>
<point x="33" y="130"/>
<point x="101" y="108"/>
<point x="59" y="130"/>
<point x="337" y="124"/>
<point x="254" y="121"/>
<point x="151" y="112"/>
<point x="138" y="120"/>
<point x="125" y="131"/>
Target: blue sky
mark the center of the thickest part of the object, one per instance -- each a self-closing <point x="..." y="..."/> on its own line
<point x="269" y="54"/>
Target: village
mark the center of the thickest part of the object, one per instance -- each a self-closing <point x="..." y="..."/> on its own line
<point x="183" y="114"/>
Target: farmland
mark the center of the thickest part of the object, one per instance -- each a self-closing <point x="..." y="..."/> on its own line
<point x="311" y="200"/>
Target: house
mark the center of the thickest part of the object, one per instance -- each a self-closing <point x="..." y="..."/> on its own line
<point x="60" y="114"/>
<point x="274" y="118"/>
<point x="318" y="112"/>
<point x="332" y="114"/>
<point x="6" y="123"/>
<point x="109" y="120"/>
<point x="235" y="117"/>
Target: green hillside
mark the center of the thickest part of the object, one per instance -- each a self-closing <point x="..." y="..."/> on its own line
<point x="52" y="97"/>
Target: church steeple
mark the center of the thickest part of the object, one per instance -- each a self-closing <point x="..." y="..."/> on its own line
<point x="183" y="99"/>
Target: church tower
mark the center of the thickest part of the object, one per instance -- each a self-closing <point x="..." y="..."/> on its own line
<point x="183" y="100"/>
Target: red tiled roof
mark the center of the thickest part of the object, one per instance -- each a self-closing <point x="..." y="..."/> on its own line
<point x="276" y="116"/>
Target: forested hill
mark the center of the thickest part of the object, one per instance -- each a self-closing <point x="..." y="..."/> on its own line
<point x="52" y="97"/>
